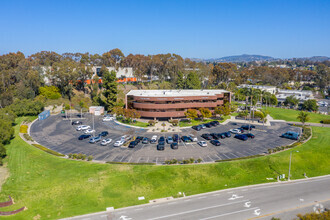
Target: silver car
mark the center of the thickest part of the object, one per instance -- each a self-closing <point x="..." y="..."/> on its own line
<point x="106" y="141"/>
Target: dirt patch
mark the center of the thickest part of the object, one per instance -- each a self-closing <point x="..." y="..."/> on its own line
<point x="4" y="174"/>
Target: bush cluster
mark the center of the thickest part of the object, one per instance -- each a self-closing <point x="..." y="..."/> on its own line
<point x="26" y="107"/>
<point x="47" y="150"/>
<point x="325" y="121"/>
<point x="174" y="122"/>
<point x="80" y="156"/>
<point x="152" y="122"/>
<point x="114" y="162"/>
<point x="23" y="129"/>
<point x="28" y="137"/>
<point x="240" y="158"/>
<point x="188" y="161"/>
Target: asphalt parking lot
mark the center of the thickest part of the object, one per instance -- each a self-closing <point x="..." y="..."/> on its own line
<point x="58" y="134"/>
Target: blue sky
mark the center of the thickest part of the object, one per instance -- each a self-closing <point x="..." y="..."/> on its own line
<point x="203" y="29"/>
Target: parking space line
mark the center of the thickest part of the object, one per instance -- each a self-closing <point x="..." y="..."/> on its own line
<point x="130" y="159"/>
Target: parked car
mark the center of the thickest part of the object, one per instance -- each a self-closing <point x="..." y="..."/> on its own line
<point x="140" y="138"/>
<point x="84" y="136"/>
<point x="76" y="123"/>
<point x="208" y="125"/>
<point x="227" y="134"/>
<point x="145" y="140"/>
<point x="169" y="140"/>
<point x="161" y="146"/>
<point x="207" y="136"/>
<point x="175" y="145"/>
<point x="89" y="131"/>
<point x="202" y="143"/>
<point x="250" y="135"/>
<point x="221" y="135"/>
<point x="153" y="140"/>
<point x="106" y="141"/>
<point x="118" y="143"/>
<point x="185" y="139"/>
<point x="125" y="138"/>
<point x="216" y="122"/>
<point x="203" y="126"/>
<point x="103" y="133"/>
<point x="215" y="142"/>
<point x="82" y="127"/>
<point x="213" y="123"/>
<point x="242" y="137"/>
<point x="235" y="131"/>
<point x="176" y="138"/>
<point x="108" y="118"/>
<point x="93" y="140"/>
<point x="132" y="144"/>
<point x="291" y="135"/>
<point x="241" y="129"/>
<point x="197" y="127"/>
<point x="193" y="137"/>
<point x="161" y="139"/>
<point x="214" y="136"/>
<point x="248" y="127"/>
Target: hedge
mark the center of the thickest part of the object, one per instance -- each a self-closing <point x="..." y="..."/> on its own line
<point x="240" y="158"/>
<point x="113" y="162"/>
<point x="48" y="150"/>
<point x="326" y="121"/>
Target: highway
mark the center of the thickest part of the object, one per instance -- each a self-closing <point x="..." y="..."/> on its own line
<point x="284" y="200"/>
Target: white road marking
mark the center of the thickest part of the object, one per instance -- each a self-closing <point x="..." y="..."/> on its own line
<point x="229" y="213"/>
<point x="247" y="204"/>
<point x="234" y="196"/>
<point x="130" y="159"/>
<point x="257" y="212"/>
<point x="197" y="210"/>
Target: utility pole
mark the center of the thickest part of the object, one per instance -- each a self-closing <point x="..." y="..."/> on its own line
<point x="93" y="127"/>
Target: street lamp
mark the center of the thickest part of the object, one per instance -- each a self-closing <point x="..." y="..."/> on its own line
<point x="290" y="165"/>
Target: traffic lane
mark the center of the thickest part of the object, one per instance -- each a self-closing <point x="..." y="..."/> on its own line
<point x="234" y="203"/>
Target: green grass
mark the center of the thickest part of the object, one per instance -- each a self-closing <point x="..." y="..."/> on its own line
<point x="198" y="122"/>
<point x="137" y="123"/>
<point x="291" y="115"/>
<point x="53" y="187"/>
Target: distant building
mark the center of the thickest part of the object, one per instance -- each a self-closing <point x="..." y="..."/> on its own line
<point x="123" y="74"/>
<point x="302" y="95"/>
<point x="270" y="89"/>
<point x="173" y="103"/>
<point x="96" y="110"/>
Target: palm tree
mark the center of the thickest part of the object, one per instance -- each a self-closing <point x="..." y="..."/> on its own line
<point x="303" y="117"/>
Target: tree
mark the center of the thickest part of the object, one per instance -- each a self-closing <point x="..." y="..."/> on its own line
<point x="118" y="110"/>
<point x="303" y="117"/>
<point x="50" y="92"/>
<point x="131" y="114"/>
<point x="193" y="81"/>
<point x="191" y="114"/>
<point x="205" y="112"/>
<point x="291" y="100"/>
<point x="180" y="84"/>
<point x="310" y="105"/>
<point x="110" y="89"/>
<point x="322" y="76"/>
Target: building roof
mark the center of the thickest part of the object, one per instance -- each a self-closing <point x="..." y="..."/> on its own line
<point x="174" y="93"/>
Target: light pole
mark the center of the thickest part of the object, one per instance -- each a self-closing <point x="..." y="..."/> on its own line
<point x="93" y="126"/>
<point x="290" y="165"/>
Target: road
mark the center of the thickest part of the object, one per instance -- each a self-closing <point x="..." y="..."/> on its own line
<point x="283" y="200"/>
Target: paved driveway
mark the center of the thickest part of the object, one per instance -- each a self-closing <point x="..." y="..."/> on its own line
<point x="58" y="134"/>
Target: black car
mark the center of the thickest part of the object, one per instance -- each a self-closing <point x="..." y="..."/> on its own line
<point x="208" y="125"/>
<point x="214" y="136"/>
<point x="227" y="134"/>
<point x="250" y="135"/>
<point x="103" y="133"/>
<point x="185" y="139"/>
<point x="84" y="136"/>
<point x="139" y="138"/>
<point x="161" y="146"/>
<point x="145" y="140"/>
<point x="248" y="127"/>
<point x="161" y="139"/>
<point x="176" y="138"/>
<point x="216" y="122"/>
<point x="215" y="142"/>
<point x="213" y="123"/>
<point x="207" y="136"/>
<point x="242" y="137"/>
<point x="197" y="127"/>
<point x="76" y="123"/>
<point x="221" y="135"/>
<point x="174" y="145"/>
<point x="132" y="144"/>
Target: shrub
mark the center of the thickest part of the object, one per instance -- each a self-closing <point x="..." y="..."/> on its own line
<point x="23" y="129"/>
<point x="152" y="122"/>
<point x="199" y="160"/>
<point x="70" y="155"/>
<point x="28" y="137"/>
<point x="90" y="158"/>
<point x="47" y="150"/>
<point x="74" y="156"/>
<point x="326" y="121"/>
<point x="83" y="157"/>
<point x="114" y="162"/>
<point x="174" y="122"/>
<point x="2" y="151"/>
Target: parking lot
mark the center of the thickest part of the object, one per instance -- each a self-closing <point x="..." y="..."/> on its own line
<point x="58" y="134"/>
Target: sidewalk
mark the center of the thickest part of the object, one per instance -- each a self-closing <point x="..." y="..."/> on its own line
<point x="168" y="127"/>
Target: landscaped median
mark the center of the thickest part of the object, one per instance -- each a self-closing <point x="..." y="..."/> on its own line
<point x="199" y="121"/>
<point x="52" y="187"/>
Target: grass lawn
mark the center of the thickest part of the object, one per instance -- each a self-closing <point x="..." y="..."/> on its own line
<point x="198" y="122"/>
<point x="137" y="123"/>
<point x="291" y="115"/>
<point x="52" y="187"/>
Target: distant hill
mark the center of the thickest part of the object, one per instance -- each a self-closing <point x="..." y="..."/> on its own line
<point x="241" y="58"/>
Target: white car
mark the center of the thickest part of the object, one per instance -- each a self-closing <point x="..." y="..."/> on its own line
<point x="203" y="126"/>
<point x="83" y="127"/>
<point x="202" y="143"/>
<point x="193" y="138"/>
<point x="118" y="143"/>
<point x="106" y="141"/>
<point x="89" y="131"/>
<point x="108" y="118"/>
<point x="235" y="131"/>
